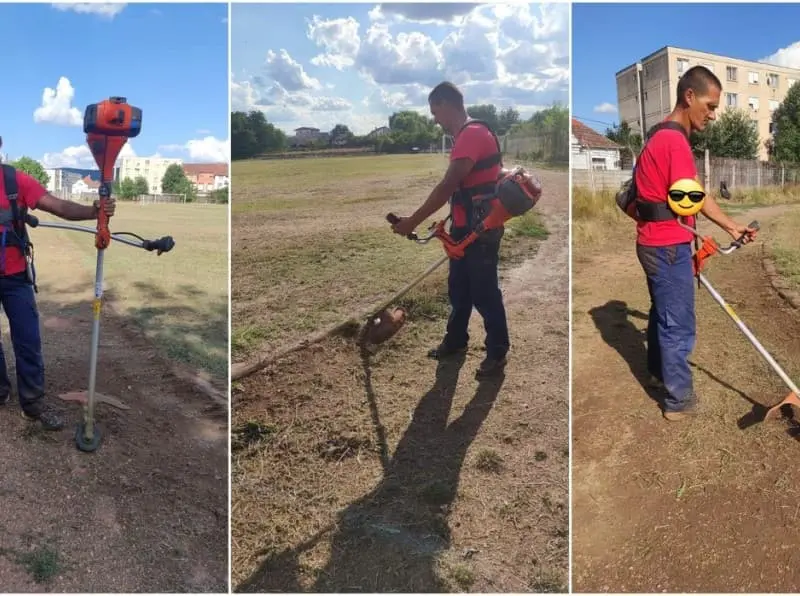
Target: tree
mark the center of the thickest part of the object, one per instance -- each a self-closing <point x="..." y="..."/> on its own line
<point x="506" y="120"/>
<point x="251" y="135"/>
<point x="341" y="131"/>
<point x="33" y="168"/>
<point x="487" y="113"/>
<point x="219" y="195"/>
<point x="126" y="189"/>
<point x="141" y="186"/>
<point x="785" y="145"/>
<point x="630" y="141"/>
<point x="176" y="182"/>
<point x="733" y="135"/>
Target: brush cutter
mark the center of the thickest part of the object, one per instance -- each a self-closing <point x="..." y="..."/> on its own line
<point x="708" y="249"/>
<point x="108" y="126"/>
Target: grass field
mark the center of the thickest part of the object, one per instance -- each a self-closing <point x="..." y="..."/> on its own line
<point x="178" y="299"/>
<point x="305" y="260"/>
<point x="376" y="473"/>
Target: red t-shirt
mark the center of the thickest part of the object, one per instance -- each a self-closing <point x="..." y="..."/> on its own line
<point x="666" y="159"/>
<point x="29" y="191"/>
<point x="475" y="142"/>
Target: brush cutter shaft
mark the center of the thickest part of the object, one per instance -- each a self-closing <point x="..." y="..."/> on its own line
<point x="738" y="243"/>
<point x="98" y="296"/>
<point x="748" y="334"/>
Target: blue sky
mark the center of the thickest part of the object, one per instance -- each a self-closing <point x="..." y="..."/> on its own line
<point x="355" y="64"/>
<point x="170" y="60"/>
<point x="746" y="31"/>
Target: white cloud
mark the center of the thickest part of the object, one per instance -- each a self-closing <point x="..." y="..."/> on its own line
<point x="207" y="149"/>
<point x="788" y="56"/>
<point x="79" y="157"/>
<point x="57" y="106"/>
<point x="606" y="108"/>
<point x="105" y="10"/>
<point x="511" y="55"/>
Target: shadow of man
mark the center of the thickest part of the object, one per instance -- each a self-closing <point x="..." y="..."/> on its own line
<point x="613" y="321"/>
<point x="387" y="540"/>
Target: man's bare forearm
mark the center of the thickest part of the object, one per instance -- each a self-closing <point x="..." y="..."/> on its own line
<point x="712" y="211"/>
<point x="73" y="211"/>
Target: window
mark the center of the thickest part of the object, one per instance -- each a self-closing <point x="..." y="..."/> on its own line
<point x="752" y="78"/>
<point x="730" y="100"/>
<point x="683" y="65"/>
<point x="732" y="73"/>
<point x="773" y="105"/>
<point x="599" y="163"/>
<point x="753" y="103"/>
<point x="772" y="80"/>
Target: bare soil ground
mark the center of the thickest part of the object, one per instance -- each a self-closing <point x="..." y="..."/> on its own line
<point x="388" y="473"/>
<point x="706" y="505"/>
<point x="148" y="510"/>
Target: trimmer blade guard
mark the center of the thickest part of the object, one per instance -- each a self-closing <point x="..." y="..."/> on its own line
<point x="384" y="325"/>
<point x="789" y="400"/>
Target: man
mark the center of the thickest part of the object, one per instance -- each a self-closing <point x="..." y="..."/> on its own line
<point x="473" y="279"/>
<point x="17" y="294"/>
<point x="664" y="248"/>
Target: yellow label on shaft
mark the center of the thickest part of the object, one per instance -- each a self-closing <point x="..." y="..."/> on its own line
<point x="96" y="308"/>
<point x="729" y="310"/>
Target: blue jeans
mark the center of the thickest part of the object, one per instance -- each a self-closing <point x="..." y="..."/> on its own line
<point x="671" y="330"/>
<point x="473" y="281"/>
<point x="19" y="303"/>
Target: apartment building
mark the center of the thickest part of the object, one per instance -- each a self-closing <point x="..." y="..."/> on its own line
<point x="207" y="177"/>
<point x="646" y="90"/>
<point x="151" y="168"/>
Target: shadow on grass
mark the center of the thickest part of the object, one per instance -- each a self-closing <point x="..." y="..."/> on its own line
<point x="389" y="539"/>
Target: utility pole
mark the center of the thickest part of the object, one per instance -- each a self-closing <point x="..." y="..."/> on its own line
<point x="640" y="95"/>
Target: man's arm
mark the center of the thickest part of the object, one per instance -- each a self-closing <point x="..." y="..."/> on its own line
<point x="456" y="172"/>
<point x="68" y="210"/>
<point x="712" y="211"/>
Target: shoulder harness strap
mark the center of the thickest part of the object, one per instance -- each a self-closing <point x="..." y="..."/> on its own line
<point x="660" y="211"/>
<point x="495" y="158"/>
<point x="12" y="193"/>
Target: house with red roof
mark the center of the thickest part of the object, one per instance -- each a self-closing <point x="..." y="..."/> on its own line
<point x="592" y="150"/>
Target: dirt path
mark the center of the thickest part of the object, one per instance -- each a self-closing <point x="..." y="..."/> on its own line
<point x="389" y="474"/>
<point x="148" y="510"/>
<point x="709" y="505"/>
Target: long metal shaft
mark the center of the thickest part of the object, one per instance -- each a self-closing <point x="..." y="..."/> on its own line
<point x="748" y="334"/>
<point x="96" y="305"/>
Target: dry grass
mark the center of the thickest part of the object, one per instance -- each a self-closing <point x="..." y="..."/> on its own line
<point x="783" y="241"/>
<point x="178" y="299"/>
<point x="382" y="473"/>
<point x="305" y="259"/>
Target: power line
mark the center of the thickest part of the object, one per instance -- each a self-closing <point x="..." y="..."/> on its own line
<point x="595" y="121"/>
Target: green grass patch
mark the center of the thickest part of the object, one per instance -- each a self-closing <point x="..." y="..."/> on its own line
<point x="178" y="299"/>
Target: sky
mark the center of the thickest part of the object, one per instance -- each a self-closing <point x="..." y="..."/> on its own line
<point x="170" y="60"/>
<point x="758" y="32"/>
<point x="355" y="64"/>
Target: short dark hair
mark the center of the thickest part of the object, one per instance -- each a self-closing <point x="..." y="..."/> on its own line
<point x="446" y="92"/>
<point x="698" y="79"/>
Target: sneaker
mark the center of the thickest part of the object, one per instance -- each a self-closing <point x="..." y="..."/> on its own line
<point x="491" y="368"/>
<point x="443" y="351"/>
<point x="49" y="419"/>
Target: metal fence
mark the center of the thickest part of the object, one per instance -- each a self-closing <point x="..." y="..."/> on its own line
<point x="736" y="173"/>
<point x="550" y="147"/>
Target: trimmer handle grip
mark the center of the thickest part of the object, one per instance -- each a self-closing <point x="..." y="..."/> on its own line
<point x="164" y="244"/>
<point x="31" y="220"/>
<point x="740" y="240"/>
<point x="393" y="219"/>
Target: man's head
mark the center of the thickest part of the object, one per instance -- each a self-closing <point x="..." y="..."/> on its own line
<point x="699" y="92"/>
<point x="447" y="107"/>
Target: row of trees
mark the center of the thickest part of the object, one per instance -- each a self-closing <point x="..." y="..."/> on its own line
<point x="734" y="134"/>
<point x="173" y="182"/>
<point x="252" y="134"/>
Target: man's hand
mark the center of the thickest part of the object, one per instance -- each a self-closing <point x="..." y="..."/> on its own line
<point x="405" y="226"/>
<point x="737" y="230"/>
<point x="110" y="207"/>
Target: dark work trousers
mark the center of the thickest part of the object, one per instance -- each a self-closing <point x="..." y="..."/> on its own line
<point x="671" y="329"/>
<point x="473" y="281"/>
<point x="19" y="304"/>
